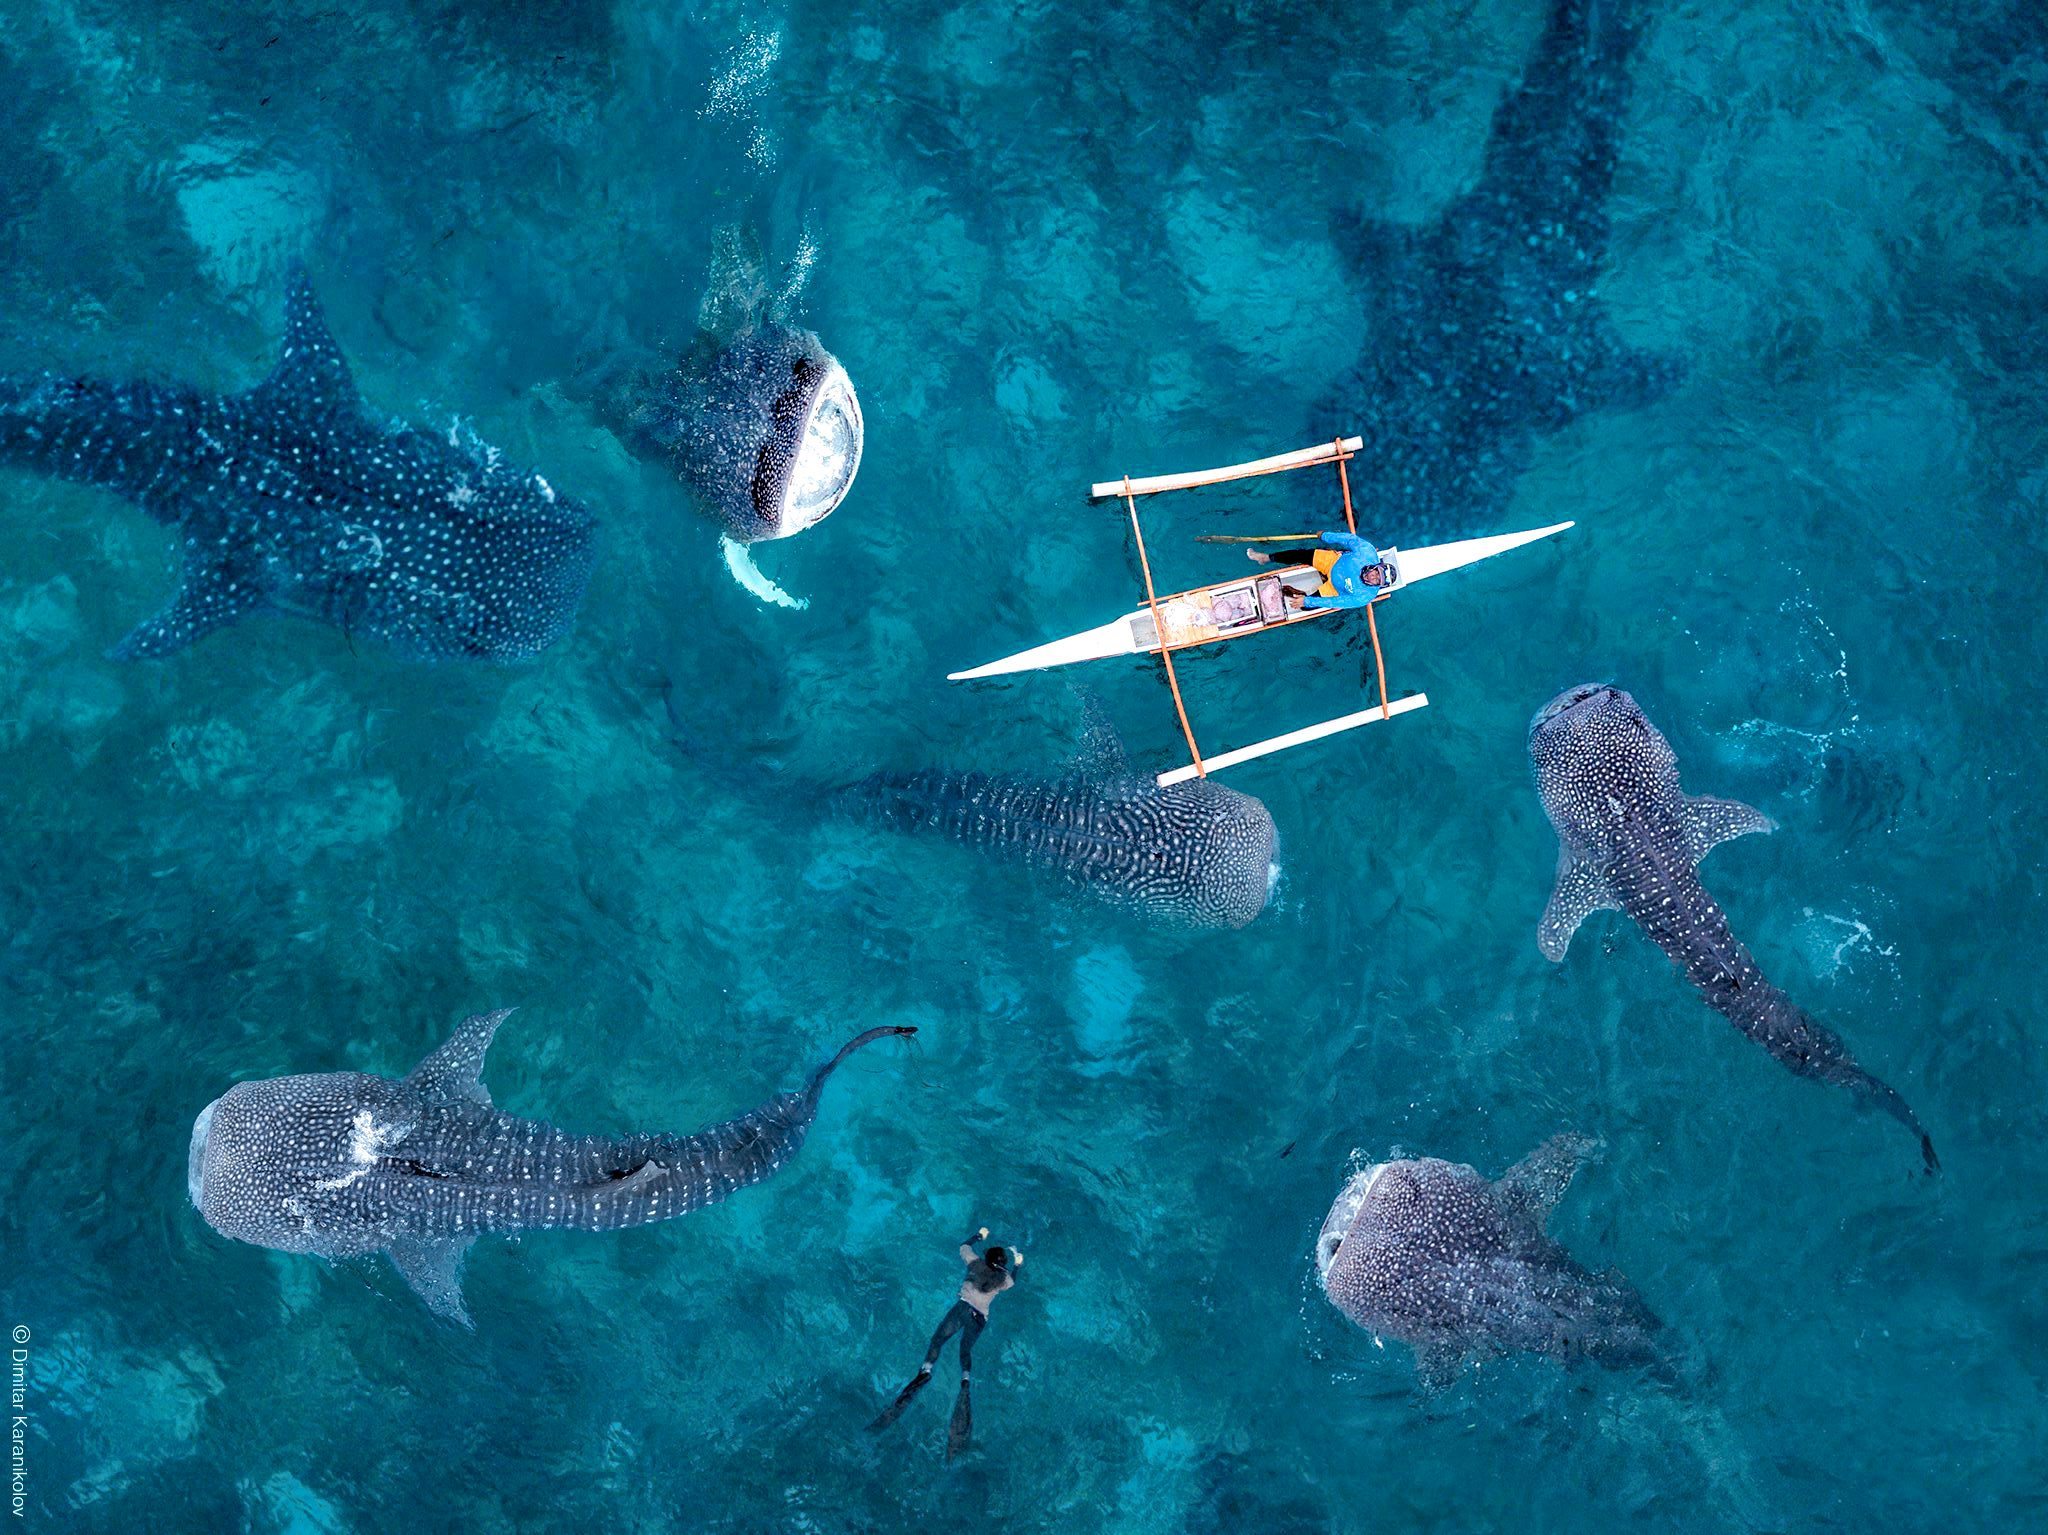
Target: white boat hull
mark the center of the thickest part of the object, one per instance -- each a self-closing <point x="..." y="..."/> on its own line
<point x="1230" y="609"/>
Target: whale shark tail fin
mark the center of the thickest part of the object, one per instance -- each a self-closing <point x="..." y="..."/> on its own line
<point x="703" y="1168"/>
<point x="886" y="1031"/>
<point x="1878" y="1094"/>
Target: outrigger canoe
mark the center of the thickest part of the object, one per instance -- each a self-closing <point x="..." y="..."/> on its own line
<point x="1249" y="604"/>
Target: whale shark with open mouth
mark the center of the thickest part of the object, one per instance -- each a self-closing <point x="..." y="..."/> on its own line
<point x="756" y="417"/>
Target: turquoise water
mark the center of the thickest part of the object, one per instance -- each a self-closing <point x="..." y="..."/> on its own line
<point x="1054" y="243"/>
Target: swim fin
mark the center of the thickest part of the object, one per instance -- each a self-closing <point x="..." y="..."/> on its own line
<point x="895" y="1409"/>
<point x="961" y="1429"/>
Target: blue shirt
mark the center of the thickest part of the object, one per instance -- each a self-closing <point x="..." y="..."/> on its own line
<point x="1348" y="576"/>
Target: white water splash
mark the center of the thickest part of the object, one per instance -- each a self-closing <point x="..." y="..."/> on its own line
<point x="1848" y="934"/>
<point x="1806" y="630"/>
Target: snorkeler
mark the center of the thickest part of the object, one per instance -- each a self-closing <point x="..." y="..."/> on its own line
<point x="1353" y="569"/>
<point x="988" y="1275"/>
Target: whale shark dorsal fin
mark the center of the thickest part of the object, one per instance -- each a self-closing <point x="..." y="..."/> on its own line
<point x="647" y="1172"/>
<point x="1534" y="1185"/>
<point x="1709" y="822"/>
<point x="453" y="1073"/>
<point x="433" y="1267"/>
<point x="311" y="376"/>
<point x="1581" y="890"/>
<point x="209" y="596"/>
<point x="1101" y="754"/>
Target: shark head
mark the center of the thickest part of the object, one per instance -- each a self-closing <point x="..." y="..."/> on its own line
<point x="1225" y="859"/>
<point x="270" y="1161"/>
<point x="777" y="441"/>
<point x="818" y="471"/>
<point x="1343" y="1216"/>
<point x="1379" y="1236"/>
<point x="1596" y="757"/>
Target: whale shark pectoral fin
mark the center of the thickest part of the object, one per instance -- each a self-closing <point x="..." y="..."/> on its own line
<point x="454" y="1071"/>
<point x="311" y="375"/>
<point x="1709" y="822"/>
<point x="433" y="1267"/>
<point x="209" y="596"/>
<point x="1581" y="891"/>
<point x="1602" y="373"/>
<point x="1534" y="1185"/>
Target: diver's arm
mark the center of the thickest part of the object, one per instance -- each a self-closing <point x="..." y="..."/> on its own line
<point x="1351" y="542"/>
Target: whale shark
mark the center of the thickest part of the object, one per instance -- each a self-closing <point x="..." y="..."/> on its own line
<point x="1630" y="840"/>
<point x="1193" y="855"/>
<point x="1485" y="328"/>
<point x="754" y="416"/>
<point x="292" y="498"/>
<point x="1190" y="855"/>
<point x="1433" y="1255"/>
<point x="343" y="1164"/>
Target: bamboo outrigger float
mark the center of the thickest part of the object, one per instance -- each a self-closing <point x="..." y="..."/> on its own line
<point x="1247" y="604"/>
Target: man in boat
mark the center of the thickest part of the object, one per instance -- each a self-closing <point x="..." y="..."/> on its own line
<point x="1354" y="571"/>
<point x="988" y="1275"/>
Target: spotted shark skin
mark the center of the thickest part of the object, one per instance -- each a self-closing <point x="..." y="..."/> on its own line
<point x="1194" y="855"/>
<point x="291" y="498"/>
<point x="1460" y="1268"/>
<point x="766" y="431"/>
<point x="754" y="416"/>
<point x="1630" y="840"/>
<point x="1485" y="331"/>
<point x="344" y="1164"/>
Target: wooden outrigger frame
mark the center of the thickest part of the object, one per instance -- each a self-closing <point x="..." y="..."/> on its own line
<point x="1338" y="452"/>
<point x="1246" y="604"/>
